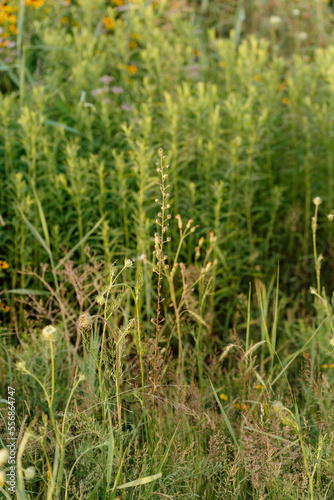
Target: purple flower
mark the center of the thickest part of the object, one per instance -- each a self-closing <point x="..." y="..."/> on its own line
<point x="106" y="79"/>
<point x="96" y="92"/>
<point x="117" y="90"/>
<point x="127" y="107"/>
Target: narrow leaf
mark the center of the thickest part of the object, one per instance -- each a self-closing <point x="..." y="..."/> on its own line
<point x="139" y="482"/>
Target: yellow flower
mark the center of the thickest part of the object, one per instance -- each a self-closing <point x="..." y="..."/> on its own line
<point x="3" y="263"/>
<point x="108" y="23"/>
<point x="133" y="44"/>
<point x="118" y="2"/>
<point x="259" y="387"/>
<point x="4" y="307"/>
<point x="286" y="101"/>
<point x="196" y="52"/>
<point x="240" y="407"/>
<point x="35" y="3"/>
<point x="324" y="366"/>
<point x="12" y="18"/>
<point x="223" y="397"/>
<point x="13" y="29"/>
<point x="258" y="78"/>
<point x="132" y="69"/>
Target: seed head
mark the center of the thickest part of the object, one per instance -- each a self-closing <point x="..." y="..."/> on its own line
<point x="4" y="455"/>
<point x="317" y="201"/>
<point x="85" y="321"/>
<point x="48" y="332"/>
<point x="30" y="473"/>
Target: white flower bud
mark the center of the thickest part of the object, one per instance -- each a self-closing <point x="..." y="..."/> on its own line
<point x="3" y="457"/>
<point x="30" y="473"/>
<point x="48" y="332"/>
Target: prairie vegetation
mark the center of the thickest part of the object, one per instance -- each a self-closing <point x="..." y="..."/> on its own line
<point x="167" y="187"/>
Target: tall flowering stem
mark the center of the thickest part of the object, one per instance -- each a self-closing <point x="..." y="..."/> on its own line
<point x="159" y="241"/>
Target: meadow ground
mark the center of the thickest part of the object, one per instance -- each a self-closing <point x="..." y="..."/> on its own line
<point x="166" y="258"/>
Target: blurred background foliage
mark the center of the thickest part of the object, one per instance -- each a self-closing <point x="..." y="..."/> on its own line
<point x="239" y="94"/>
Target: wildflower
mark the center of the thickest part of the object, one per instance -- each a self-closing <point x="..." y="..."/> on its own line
<point x="48" y="332"/>
<point x="258" y="78"/>
<point x="13" y="29"/>
<point x="3" y="263"/>
<point x="332" y="365"/>
<point x="117" y="90"/>
<point x="325" y="366"/>
<point x="3" y="457"/>
<point x="259" y="387"/>
<point x="286" y="100"/>
<point x="196" y="52"/>
<point x="85" y="321"/>
<point x="317" y="201"/>
<point x="201" y="241"/>
<point x="224" y="397"/>
<point x="96" y="92"/>
<point x="128" y="263"/>
<point x="118" y="2"/>
<point x="132" y="69"/>
<point x="30" y="473"/>
<point x="106" y="79"/>
<point x="108" y="23"/>
<point x="330" y="217"/>
<point x="133" y="44"/>
<point x="295" y="12"/>
<point x="2" y="478"/>
<point x="240" y="407"/>
<point x="35" y="3"/>
<point x="302" y="36"/>
<point x="126" y="107"/>
<point x="275" y="20"/>
<point x="282" y="86"/>
<point x="4" y="307"/>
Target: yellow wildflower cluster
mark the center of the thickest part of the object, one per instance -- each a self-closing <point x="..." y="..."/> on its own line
<point x="238" y="406"/>
<point x="35" y="3"/>
<point x="8" y="21"/>
<point x="4" y="264"/>
<point x="108" y="23"/>
<point x="4" y="307"/>
<point x="325" y="366"/>
<point x="223" y="397"/>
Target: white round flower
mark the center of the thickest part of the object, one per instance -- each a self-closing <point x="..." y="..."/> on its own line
<point x="317" y="200"/>
<point x="296" y="12"/>
<point x="48" y="332"/>
<point x="3" y="457"/>
<point x="302" y="36"/>
<point x="275" y="20"/>
<point x="30" y="473"/>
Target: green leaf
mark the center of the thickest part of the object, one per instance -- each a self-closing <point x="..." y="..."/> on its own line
<point x="27" y="291"/>
<point x="111" y="447"/>
<point x="143" y="480"/>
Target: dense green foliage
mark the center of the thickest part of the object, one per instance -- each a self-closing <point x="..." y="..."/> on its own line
<point x="247" y="126"/>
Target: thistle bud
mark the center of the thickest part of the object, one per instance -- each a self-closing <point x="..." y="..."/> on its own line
<point x="85" y="321"/>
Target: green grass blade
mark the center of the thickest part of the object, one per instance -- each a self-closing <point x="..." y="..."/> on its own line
<point x="227" y="422"/>
<point x="143" y="480"/>
<point x="81" y="242"/>
<point x="111" y="446"/>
